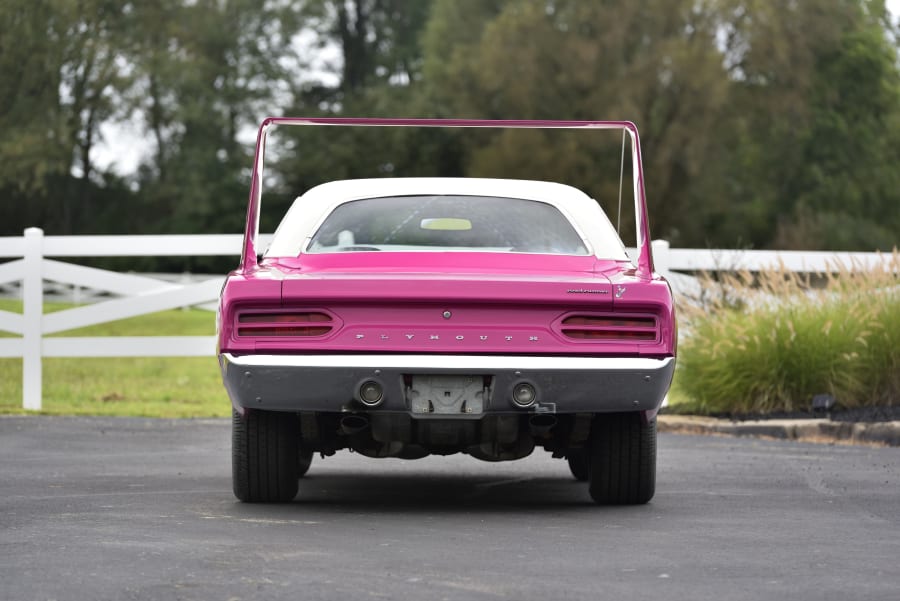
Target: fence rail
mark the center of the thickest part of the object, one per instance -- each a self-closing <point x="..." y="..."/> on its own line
<point x="128" y="294"/>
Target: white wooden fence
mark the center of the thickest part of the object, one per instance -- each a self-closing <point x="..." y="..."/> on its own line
<point x="133" y="294"/>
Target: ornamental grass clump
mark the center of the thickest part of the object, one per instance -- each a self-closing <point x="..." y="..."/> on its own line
<point x="769" y="342"/>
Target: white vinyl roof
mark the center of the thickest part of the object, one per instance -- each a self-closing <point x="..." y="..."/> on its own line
<point x="309" y="210"/>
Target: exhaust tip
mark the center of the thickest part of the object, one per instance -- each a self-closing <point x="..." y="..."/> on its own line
<point x="541" y="424"/>
<point x="353" y="424"/>
<point x="371" y="393"/>
<point x="524" y="395"/>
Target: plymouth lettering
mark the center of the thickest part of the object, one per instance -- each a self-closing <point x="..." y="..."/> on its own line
<point x="457" y="337"/>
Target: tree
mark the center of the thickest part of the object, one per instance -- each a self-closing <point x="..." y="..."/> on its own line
<point x="816" y="88"/>
<point x="378" y="72"/>
<point x="763" y="123"/>
<point x="61" y="76"/>
<point x="759" y="120"/>
<point x="29" y="102"/>
<point x="654" y="62"/>
<point x="208" y="72"/>
<point x="200" y="73"/>
<point x="378" y="40"/>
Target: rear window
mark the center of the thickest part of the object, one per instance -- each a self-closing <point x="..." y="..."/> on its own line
<point x="447" y="222"/>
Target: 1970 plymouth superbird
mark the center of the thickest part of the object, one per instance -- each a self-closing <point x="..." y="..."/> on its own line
<point x="402" y="317"/>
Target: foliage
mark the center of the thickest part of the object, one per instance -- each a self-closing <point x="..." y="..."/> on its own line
<point x="378" y="39"/>
<point x="584" y="60"/>
<point x="786" y="341"/>
<point x="730" y="98"/>
<point x="192" y="74"/>
<point x="56" y="75"/>
<point x="815" y="162"/>
<point x="764" y="124"/>
<point x="209" y="69"/>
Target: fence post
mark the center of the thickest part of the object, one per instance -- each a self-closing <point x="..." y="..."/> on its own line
<point x="32" y="313"/>
<point x="660" y="257"/>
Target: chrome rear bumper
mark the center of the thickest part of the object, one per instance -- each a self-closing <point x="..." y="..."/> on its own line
<point x="330" y="383"/>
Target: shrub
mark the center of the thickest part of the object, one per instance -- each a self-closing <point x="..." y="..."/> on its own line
<point x="770" y="342"/>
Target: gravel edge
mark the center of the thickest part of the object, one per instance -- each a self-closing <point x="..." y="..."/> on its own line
<point x="804" y="430"/>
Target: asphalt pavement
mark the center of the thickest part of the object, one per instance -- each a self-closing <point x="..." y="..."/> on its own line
<point x="112" y="508"/>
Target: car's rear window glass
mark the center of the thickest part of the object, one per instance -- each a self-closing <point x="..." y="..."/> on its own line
<point x="447" y="222"/>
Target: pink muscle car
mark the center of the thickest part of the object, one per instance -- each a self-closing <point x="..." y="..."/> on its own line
<point x="402" y="317"/>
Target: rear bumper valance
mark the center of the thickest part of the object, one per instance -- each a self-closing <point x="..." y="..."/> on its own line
<point x="329" y="383"/>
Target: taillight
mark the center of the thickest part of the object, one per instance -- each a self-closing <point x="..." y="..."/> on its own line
<point x="610" y="328"/>
<point x="284" y="323"/>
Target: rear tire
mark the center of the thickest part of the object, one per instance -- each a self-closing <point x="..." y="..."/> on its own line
<point x="578" y="464"/>
<point x="304" y="459"/>
<point x="265" y="456"/>
<point x="623" y="459"/>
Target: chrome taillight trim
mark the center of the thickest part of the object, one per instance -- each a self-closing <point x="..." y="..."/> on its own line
<point x="284" y="322"/>
<point x="607" y="327"/>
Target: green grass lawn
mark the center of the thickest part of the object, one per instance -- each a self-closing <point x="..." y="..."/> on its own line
<point x="133" y="386"/>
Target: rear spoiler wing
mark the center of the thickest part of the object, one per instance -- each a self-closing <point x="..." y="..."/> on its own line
<point x="642" y="224"/>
